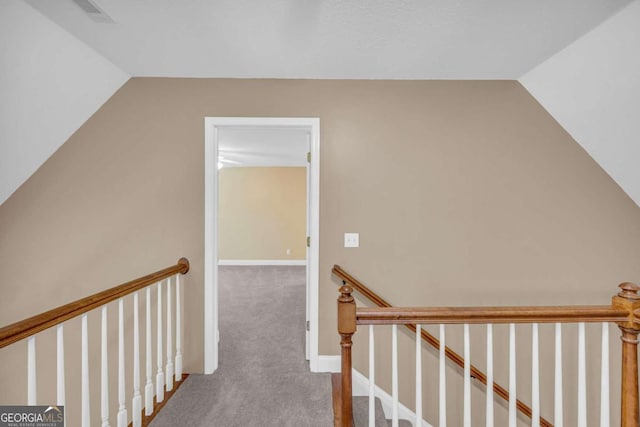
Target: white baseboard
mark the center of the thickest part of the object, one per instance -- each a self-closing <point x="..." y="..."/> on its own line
<point x="360" y="385"/>
<point x="327" y="364"/>
<point x="262" y="262"/>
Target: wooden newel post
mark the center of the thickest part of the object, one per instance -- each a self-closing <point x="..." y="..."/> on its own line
<point x="346" y="329"/>
<point x="629" y="299"/>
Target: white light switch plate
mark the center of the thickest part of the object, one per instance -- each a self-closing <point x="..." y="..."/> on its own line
<point x="351" y="240"/>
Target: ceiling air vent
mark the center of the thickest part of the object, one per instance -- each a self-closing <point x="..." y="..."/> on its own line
<point x="94" y="11"/>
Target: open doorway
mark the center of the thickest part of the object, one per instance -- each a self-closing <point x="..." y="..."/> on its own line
<point x="260" y="143"/>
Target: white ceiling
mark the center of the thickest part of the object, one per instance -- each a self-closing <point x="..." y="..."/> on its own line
<point x="379" y="39"/>
<point x="269" y="146"/>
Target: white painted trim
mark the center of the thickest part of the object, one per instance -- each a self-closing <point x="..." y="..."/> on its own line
<point x="262" y="262"/>
<point x="307" y="296"/>
<point x="210" y="247"/>
<point x="329" y="364"/>
<point x="210" y="230"/>
<point x="360" y="384"/>
<point x="313" y="265"/>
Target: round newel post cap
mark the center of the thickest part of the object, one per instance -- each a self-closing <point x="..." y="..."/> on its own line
<point x="629" y="291"/>
<point x="184" y="262"/>
<point x="345" y="293"/>
<point x="345" y="290"/>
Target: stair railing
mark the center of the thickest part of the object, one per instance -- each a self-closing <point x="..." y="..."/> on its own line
<point x="27" y="329"/>
<point x="624" y="311"/>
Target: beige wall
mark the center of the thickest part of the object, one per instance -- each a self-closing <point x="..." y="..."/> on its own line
<point x="463" y="192"/>
<point x="262" y="213"/>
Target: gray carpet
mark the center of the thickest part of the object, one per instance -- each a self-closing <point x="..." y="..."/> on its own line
<point x="361" y="414"/>
<point x="263" y="378"/>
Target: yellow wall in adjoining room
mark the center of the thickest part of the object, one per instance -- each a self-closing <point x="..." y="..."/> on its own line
<point x="262" y="213"/>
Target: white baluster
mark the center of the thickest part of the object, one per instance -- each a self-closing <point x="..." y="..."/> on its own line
<point x="558" y="411"/>
<point x="169" y="368"/>
<point x="535" y="377"/>
<point x="60" y="396"/>
<point x="467" y="379"/>
<point x="122" y="409"/>
<point x="582" y="378"/>
<point x="604" y="378"/>
<point x="178" y="367"/>
<point x="442" y="390"/>
<point x="86" y="397"/>
<point x="160" y="372"/>
<point x="136" y="403"/>
<point x="512" y="375"/>
<point x="489" y="393"/>
<point x="104" y="370"/>
<point x="394" y="375"/>
<point x="148" y="388"/>
<point x="372" y="379"/>
<point x="418" y="376"/>
<point x="31" y="371"/>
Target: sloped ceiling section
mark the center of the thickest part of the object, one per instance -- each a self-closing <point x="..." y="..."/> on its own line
<point x="592" y="88"/>
<point x="50" y="84"/>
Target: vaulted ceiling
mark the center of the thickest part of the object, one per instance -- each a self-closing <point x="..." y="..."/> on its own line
<point x="576" y="57"/>
<point x="356" y="39"/>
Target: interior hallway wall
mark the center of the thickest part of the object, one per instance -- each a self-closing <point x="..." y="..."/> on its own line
<point x="463" y="192"/>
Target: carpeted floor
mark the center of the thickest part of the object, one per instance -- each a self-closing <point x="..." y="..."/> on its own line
<point x="263" y="378"/>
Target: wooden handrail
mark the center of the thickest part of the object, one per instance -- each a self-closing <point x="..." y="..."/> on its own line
<point x="31" y="326"/>
<point x="484" y="315"/>
<point x="434" y="342"/>
<point x="359" y="286"/>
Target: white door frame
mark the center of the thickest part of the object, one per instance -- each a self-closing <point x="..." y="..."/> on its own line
<point x="211" y="125"/>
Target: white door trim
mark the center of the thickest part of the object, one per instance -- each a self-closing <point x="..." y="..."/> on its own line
<point x="211" y="125"/>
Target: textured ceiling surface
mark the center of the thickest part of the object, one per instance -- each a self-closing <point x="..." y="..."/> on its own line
<point x="379" y="39"/>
